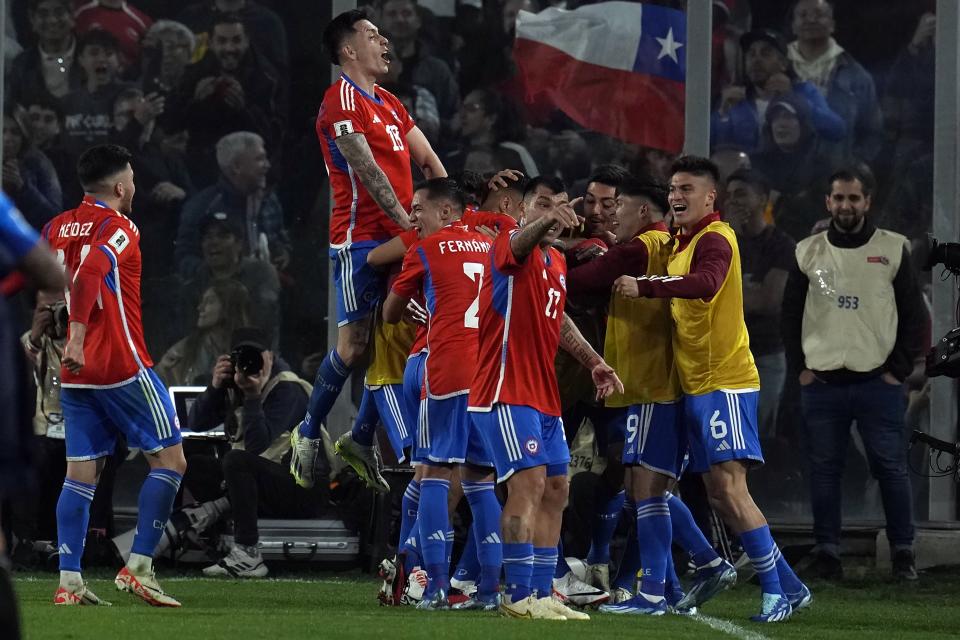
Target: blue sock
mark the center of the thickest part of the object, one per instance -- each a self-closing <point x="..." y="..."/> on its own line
<point x="486" y="531"/>
<point x="73" y="516"/>
<point x="434" y="524"/>
<point x="788" y="579"/>
<point x="330" y="378"/>
<point x="605" y="520"/>
<point x="630" y="562"/>
<point x="365" y="426"/>
<point x="562" y="567"/>
<point x="448" y="548"/>
<point x="653" y="536"/>
<point x="544" y="566"/>
<point x="759" y="547"/>
<point x="468" y="568"/>
<point x="153" y="509"/>
<point x="411" y="548"/>
<point x="688" y="535"/>
<point x="408" y="511"/>
<point x="517" y="569"/>
<point x="672" y="589"/>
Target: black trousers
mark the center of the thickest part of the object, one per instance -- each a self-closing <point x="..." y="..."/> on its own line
<point x="256" y="488"/>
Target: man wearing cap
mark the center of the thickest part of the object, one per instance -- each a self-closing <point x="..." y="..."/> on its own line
<point x="740" y="117"/>
<point x="221" y="250"/>
<point x="258" y="400"/>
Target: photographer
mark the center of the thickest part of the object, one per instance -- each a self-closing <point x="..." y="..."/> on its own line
<point x="258" y="400"/>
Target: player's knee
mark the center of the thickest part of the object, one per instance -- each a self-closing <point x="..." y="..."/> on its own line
<point x="555" y="493"/>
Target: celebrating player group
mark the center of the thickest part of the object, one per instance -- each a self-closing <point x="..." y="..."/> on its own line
<point x="476" y="299"/>
<point x="462" y="310"/>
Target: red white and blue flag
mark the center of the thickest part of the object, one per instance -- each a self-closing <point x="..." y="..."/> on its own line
<point x="614" y="67"/>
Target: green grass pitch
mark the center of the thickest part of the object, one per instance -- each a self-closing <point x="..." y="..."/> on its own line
<point x="328" y="606"/>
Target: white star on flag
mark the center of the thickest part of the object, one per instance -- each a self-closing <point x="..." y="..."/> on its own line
<point x="669" y="46"/>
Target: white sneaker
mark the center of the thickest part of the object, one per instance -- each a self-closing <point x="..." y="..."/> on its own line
<point x="241" y="562"/>
<point x="571" y="589"/>
<point x="466" y="587"/>
<point x="598" y="575"/>
<point x="529" y="608"/>
<point x="416" y="586"/>
<point x="620" y="594"/>
<point x="559" y="608"/>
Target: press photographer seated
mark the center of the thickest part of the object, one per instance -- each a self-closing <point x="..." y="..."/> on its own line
<point x="259" y="400"/>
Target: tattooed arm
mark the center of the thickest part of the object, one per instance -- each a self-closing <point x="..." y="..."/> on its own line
<point x="604" y="377"/>
<point x="557" y="212"/>
<point x="355" y="149"/>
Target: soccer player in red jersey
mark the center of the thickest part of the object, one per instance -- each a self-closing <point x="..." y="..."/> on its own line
<point x="514" y="399"/>
<point x="367" y="139"/>
<point x="447" y="264"/>
<point x="108" y="386"/>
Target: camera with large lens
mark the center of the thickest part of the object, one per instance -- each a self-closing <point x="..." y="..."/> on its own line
<point x="943" y="359"/>
<point x="247" y="359"/>
<point x="945" y="253"/>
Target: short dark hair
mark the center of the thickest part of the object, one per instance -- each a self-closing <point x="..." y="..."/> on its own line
<point x="756" y="180"/>
<point x="100" y="162"/>
<point x="655" y="193"/>
<point x="697" y="166"/>
<point x="553" y="183"/>
<point x="519" y="185"/>
<point x="35" y="5"/>
<point x="609" y="174"/>
<point x="227" y="17"/>
<point x="444" y="189"/>
<point x="861" y="173"/>
<point x="338" y="30"/>
<point x="45" y="101"/>
<point x="97" y="37"/>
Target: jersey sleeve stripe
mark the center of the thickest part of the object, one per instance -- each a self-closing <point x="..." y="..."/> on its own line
<point x="109" y="251"/>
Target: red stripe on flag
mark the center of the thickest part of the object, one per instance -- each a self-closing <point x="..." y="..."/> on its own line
<point x="634" y="107"/>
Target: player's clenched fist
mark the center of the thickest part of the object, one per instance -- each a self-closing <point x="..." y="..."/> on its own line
<point x="627" y="286"/>
<point x="73" y="356"/>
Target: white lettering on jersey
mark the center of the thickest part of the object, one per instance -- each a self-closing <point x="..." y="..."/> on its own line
<point x="75" y="229"/>
<point x="459" y="246"/>
<point x="376" y="119"/>
<point x="119" y="241"/>
<point x="342" y="128"/>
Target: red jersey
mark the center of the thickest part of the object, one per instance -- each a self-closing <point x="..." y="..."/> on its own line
<point x="499" y="222"/>
<point x="127" y="24"/>
<point x="100" y="250"/>
<point x="410" y="238"/>
<point x="383" y="121"/>
<point x="448" y="265"/>
<point x="521" y="309"/>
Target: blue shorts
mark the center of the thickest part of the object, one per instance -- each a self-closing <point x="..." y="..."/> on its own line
<point x="722" y="426"/>
<point x="359" y="286"/>
<point x="520" y="437"/>
<point x="446" y="434"/>
<point x="141" y="410"/>
<point x="656" y="438"/>
<point x="609" y="427"/>
<point x="412" y="384"/>
<point x="388" y="398"/>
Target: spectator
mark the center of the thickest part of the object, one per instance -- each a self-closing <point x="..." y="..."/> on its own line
<point x="124" y="22"/>
<point x="738" y="122"/>
<point x="484" y="146"/>
<point x="258" y="407"/>
<point x="847" y="86"/>
<point x="795" y="164"/>
<point x="168" y="48"/>
<point x="231" y="89"/>
<point x="49" y="68"/>
<point x="241" y="193"/>
<point x="29" y="178"/>
<point x="401" y="23"/>
<point x="268" y="35"/>
<point x="88" y="111"/>
<point x="223" y="308"/>
<point x="765" y="261"/>
<point x="852" y="312"/>
<point x="600" y="203"/>
<point x="422" y="104"/>
<point x="221" y="245"/>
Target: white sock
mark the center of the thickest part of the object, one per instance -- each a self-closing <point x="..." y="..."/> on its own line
<point x="70" y="579"/>
<point x="139" y="564"/>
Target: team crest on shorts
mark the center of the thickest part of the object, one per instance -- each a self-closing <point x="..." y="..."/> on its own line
<point x="532" y="446"/>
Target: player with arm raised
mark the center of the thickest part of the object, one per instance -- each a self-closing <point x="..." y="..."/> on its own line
<point x="108" y="386"/>
<point x="718" y="376"/>
<point x="514" y="400"/>
<point x="367" y="139"/>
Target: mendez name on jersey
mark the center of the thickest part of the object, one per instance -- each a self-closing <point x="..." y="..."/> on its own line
<point x="100" y="250"/>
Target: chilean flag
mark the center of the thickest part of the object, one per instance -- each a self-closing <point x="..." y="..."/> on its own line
<point x="615" y="67"/>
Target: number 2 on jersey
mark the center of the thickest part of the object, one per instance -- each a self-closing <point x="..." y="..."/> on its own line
<point x="474" y="271"/>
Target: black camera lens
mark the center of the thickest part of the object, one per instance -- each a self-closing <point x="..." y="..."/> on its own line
<point x="247" y="360"/>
